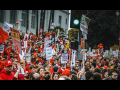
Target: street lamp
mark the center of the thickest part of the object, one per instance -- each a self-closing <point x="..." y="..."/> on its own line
<point x="117" y="15"/>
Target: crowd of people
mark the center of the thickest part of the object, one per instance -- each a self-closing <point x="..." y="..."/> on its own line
<point x="12" y="67"/>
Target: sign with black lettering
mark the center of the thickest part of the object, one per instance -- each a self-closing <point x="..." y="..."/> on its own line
<point x="48" y="53"/>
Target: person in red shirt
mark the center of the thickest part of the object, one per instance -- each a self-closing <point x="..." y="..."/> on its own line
<point x="7" y="74"/>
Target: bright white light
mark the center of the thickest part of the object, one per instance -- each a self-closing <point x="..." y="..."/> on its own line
<point x="76" y="22"/>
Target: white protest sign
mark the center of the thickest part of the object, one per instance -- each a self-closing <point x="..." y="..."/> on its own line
<point x="114" y="53"/>
<point x="26" y="35"/>
<point x="46" y="44"/>
<point x="48" y="53"/>
<point x="73" y="58"/>
<point x="25" y="44"/>
<point x="2" y="48"/>
<point x="64" y="57"/>
<point x="49" y="41"/>
<point x="6" y="27"/>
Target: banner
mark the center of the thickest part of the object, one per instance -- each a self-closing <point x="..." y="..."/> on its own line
<point x="84" y="24"/>
<point x="6" y="27"/>
<point x="2" y="48"/>
<point x="73" y="58"/>
<point x="64" y="56"/>
<point x="17" y="46"/>
<point x="48" y="53"/>
<point x="15" y="33"/>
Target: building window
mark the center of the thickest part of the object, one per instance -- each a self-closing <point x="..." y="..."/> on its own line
<point x="24" y="17"/>
<point x="33" y="19"/>
<point x="13" y="16"/>
<point x="42" y="18"/>
<point x="59" y="21"/>
<point x="66" y="20"/>
<point x="2" y="16"/>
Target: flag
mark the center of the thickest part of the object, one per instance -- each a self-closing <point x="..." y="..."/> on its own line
<point x="3" y="35"/>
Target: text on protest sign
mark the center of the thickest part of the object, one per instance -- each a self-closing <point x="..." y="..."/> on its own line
<point x="64" y="56"/>
<point x="48" y="53"/>
<point x="15" y="34"/>
<point x="2" y="48"/>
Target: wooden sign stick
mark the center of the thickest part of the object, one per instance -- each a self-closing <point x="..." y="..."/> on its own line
<point x="83" y="47"/>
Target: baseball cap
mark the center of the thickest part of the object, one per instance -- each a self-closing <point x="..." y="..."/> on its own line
<point x="8" y="63"/>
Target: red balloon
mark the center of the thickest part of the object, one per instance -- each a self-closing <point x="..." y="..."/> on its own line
<point x="17" y="23"/>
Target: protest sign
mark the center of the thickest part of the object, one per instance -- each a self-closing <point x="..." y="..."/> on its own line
<point x="2" y="48"/>
<point x="6" y="27"/>
<point x="25" y="44"/>
<point x="46" y="44"/>
<point x="26" y="35"/>
<point x="17" y="46"/>
<point x="64" y="56"/>
<point x="114" y="53"/>
<point x="28" y="57"/>
<point x="73" y="58"/>
<point x="48" y="53"/>
<point x="15" y="33"/>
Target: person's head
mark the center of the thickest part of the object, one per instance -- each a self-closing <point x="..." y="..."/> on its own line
<point x="113" y="74"/>
<point x="36" y="67"/>
<point x="47" y="75"/>
<point x="86" y="69"/>
<point x="105" y="73"/>
<point x="48" y="67"/>
<point x="35" y="76"/>
<point x="92" y="69"/>
<point x="40" y="64"/>
<point x="97" y="70"/>
<point x="89" y="75"/>
<point x="55" y="68"/>
<point x="26" y="75"/>
<point x="55" y="76"/>
<point x="8" y="66"/>
<point x="31" y="67"/>
<point x="110" y="78"/>
<point x="77" y="63"/>
<point x="63" y="66"/>
<point x="22" y="63"/>
<point x="64" y="78"/>
<point x="97" y="76"/>
<point x="41" y="70"/>
<point x="73" y="77"/>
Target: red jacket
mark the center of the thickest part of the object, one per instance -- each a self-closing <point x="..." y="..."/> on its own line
<point x="5" y="75"/>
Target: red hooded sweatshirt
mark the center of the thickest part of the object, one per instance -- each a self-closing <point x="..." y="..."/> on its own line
<point x="5" y="75"/>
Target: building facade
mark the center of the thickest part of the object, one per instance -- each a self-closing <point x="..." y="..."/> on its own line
<point x="34" y="20"/>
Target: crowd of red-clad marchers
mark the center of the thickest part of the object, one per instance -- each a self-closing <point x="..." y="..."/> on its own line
<point x="14" y="68"/>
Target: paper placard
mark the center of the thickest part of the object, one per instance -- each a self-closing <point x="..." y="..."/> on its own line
<point x="48" y="53"/>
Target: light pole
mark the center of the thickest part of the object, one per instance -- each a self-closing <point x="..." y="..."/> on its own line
<point x="117" y="15"/>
